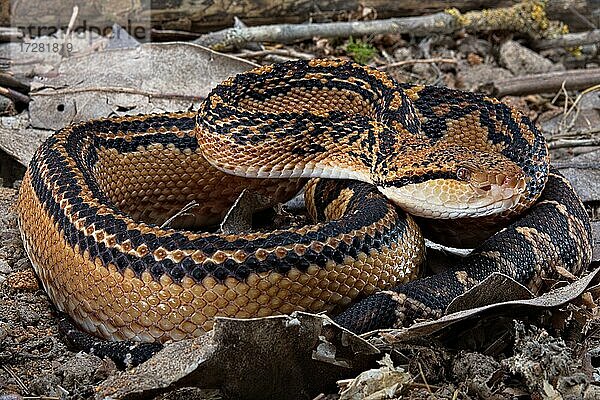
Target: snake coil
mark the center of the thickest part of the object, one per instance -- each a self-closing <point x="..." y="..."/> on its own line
<point x="96" y="192"/>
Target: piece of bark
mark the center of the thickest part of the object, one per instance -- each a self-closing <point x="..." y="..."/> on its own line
<point x="209" y="15"/>
<point x="279" y="357"/>
<point x="543" y="83"/>
<point x="583" y="172"/>
<point x="18" y="140"/>
<point x="151" y="78"/>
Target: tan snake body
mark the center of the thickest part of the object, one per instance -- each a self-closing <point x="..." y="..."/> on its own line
<point x="95" y="192"/>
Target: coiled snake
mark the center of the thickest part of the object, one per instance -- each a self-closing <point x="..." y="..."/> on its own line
<point x="95" y="193"/>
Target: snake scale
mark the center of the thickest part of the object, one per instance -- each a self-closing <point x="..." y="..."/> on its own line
<point x="95" y="194"/>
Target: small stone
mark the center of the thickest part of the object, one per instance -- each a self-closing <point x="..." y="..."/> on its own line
<point x="424" y="70"/>
<point x="83" y="369"/>
<point x="28" y="316"/>
<point x="10" y="396"/>
<point x="472" y="76"/>
<point x="4" y="267"/>
<point x="48" y="385"/>
<point x="472" y="44"/>
<point x="403" y="54"/>
<point x="23" y="263"/>
<point x="4" y="330"/>
<point x="584" y="180"/>
<point x="522" y="61"/>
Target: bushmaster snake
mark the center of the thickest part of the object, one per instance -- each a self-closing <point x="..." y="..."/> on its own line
<point x="95" y="192"/>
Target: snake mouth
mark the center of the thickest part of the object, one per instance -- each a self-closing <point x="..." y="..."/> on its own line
<point x="479" y="196"/>
<point x="498" y="186"/>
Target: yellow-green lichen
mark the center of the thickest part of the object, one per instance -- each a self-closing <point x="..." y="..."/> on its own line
<point x="528" y="17"/>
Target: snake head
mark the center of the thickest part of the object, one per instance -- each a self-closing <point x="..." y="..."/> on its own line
<point x="471" y="184"/>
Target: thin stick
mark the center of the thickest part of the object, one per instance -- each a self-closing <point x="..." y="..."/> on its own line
<point x="8" y="34"/>
<point x="184" y="209"/>
<point x="14" y="95"/>
<point x="63" y="50"/>
<point x="20" y="383"/>
<point x="423" y="377"/>
<point x="72" y="20"/>
<point x="117" y="89"/>
<point x="580" y="96"/>
<point x="566" y="125"/>
<point x="543" y="83"/>
<point x="422" y="385"/>
<point x="568" y="143"/>
<point x="569" y="40"/>
<point x="278" y="52"/>
<point x="419" y="61"/>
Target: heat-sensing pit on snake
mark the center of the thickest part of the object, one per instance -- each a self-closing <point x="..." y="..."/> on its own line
<point x="95" y="193"/>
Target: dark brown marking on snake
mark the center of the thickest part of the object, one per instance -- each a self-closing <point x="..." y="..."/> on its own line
<point x="509" y="252"/>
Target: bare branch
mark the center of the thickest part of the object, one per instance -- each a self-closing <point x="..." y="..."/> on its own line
<point x="526" y="17"/>
<point x="14" y="95"/>
<point x="284" y="33"/>
<point x="278" y="52"/>
<point x="543" y="83"/>
<point x="419" y="61"/>
<point x="564" y="143"/>
<point x="568" y="40"/>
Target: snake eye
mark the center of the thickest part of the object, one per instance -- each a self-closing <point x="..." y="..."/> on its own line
<point x="463" y="174"/>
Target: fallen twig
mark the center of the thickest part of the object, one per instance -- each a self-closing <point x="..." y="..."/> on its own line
<point x="8" y="34"/>
<point x="543" y="83"/>
<point x="8" y="79"/>
<point x="528" y="18"/>
<point x="278" y="52"/>
<point x="117" y="89"/>
<point x="228" y="39"/>
<point x="63" y="51"/>
<point x="571" y="112"/>
<point x="424" y="379"/>
<point x="419" y="61"/>
<point x="20" y="383"/>
<point x="568" y="40"/>
<point x="192" y="204"/>
<point x="14" y="95"/>
<point x="170" y="35"/>
<point x="565" y="143"/>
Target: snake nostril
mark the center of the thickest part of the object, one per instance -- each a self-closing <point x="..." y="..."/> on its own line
<point x="510" y="181"/>
<point x="486" y="187"/>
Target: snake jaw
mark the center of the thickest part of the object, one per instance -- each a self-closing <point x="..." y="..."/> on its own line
<point x="482" y="194"/>
<point x="499" y="185"/>
<point x="505" y="190"/>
